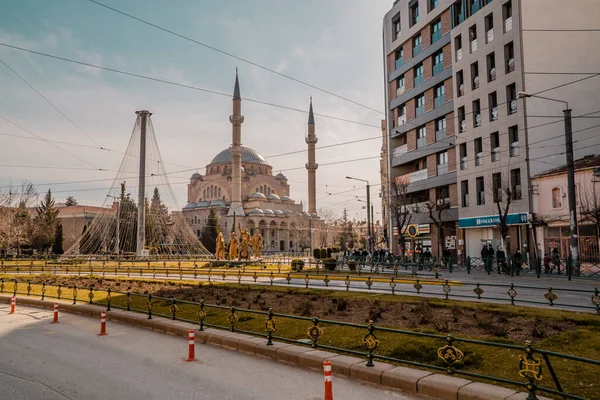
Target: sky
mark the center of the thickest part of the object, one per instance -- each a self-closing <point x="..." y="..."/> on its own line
<point x="333" y="45"/>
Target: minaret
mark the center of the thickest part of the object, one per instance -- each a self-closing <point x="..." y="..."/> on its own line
<point x="236" y="120"/>
<point x="311" y="165"/>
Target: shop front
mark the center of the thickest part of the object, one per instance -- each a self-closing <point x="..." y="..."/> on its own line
<point x="480" y="231"/>
<point x="417" y="240"/>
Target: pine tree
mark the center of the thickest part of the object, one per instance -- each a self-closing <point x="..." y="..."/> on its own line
<point x="44" y="223"/>
<point x="70" y="201"/>
<point x="211" y="230"/>
<point x="57" y="247"/>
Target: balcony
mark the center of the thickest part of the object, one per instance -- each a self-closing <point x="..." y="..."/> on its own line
<point x="412" y="177"/>
<point x="512" y="107"/>
<point x="435" y="36"/>
<point x="474" y="7"/>
<point x="508" y="25"/>
<point x="398" y="151"/>
<point x="399" y="62"/>
<point x="490" y="35"/>
<point x="442" y="169"/>
<point x="494" y="113"/>
<point x="463" y="126"/>
<point x="440" y="135"/>
<point x="481" y="198"/>
<point x="514" y="149"/>
<point x="473" y="45"/>
<point x="419" y="79"/>
<point x="510" y="65"/>
<point x="492" y="74"/>
<point x="400" y="91"/>
<point x="421" y="142"/>
<point x="439" y="101"/>
<point x="401" y="119"/>
<point x="496" y="154"/>
<point x="415" y="207"/>
<point x="477" y="120"/>
<point x="460" y="18"/>
<point x="420" y="111"/>
<point x="417" y="50"/>
<point x="479" y="159"/>
<point x="459" y="54"/>
<point x="464" y="163"/>
<point x="438" y="68"/>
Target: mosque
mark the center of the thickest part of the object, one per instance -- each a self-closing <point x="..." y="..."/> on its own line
<point x="240" y="186"/>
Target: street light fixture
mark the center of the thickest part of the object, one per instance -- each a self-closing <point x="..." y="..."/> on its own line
<point x="574" y="239"/>
<point x="369" y="244"/>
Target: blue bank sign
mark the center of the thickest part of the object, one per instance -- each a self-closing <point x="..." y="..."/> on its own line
<point x="493" y="220"/>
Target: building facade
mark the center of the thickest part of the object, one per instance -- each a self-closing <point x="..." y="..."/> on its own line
<point x="240" y="186"/>
<point x="456" y="121"/>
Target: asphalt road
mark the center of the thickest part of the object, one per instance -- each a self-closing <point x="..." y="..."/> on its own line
<point x="39" y="360"/>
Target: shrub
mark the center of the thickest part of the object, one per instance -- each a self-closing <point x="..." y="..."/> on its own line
<point x="317" y="253"/>
<point x="335" y="250"/>
<point x="297" y="264"/>
<point x="352" y="265"/>
<point x="328" y="252"/>
<point x="324" y="253"/>
<point x="329" y="264"/>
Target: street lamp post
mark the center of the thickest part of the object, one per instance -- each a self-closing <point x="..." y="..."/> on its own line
<point x="368" y="208"/>
<point x="118" y="233"/>
<point x="574" y="238"/>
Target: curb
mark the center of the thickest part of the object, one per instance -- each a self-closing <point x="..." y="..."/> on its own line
<point x="407" y="380"/>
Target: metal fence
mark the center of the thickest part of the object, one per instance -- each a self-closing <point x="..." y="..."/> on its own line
<point x="451" y="351"/>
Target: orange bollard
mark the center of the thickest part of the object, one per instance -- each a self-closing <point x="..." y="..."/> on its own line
<point x="13" y="304"/>
<point x="328" y="383"/>
<point x="191" y="345"/>
<point x="55" y="320"/>
<point x="103" y="324"/>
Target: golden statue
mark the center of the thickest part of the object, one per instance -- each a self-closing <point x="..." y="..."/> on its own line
<point x="257" y="243"/>
<point x="220" y="253"/>
<point x="245" y="243"/>
<point x="233" y="246"/>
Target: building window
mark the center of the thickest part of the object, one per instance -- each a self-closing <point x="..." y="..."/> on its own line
<point x="475" y="76"/>
<point x="515" y="183"/>
<point x="473" y="38"/>
<point x="474" y="6"/>
<point x="396" y="27"/>
<point x="443" y="194"/>
<point x="414" y="13"/>
<point x="436" y="31"/>
<point x="476" y="113"/>
<point x="399" y="57"/>
<point x="420" y="108"/>
<point x="478" y="144"/>
<point x="419" y="74"/>
<point x="511" y="97"/>
<point x="507" y="16"/>
<point x="458" y="47"/>
<point x="495" y="146"/>
<point x="433" y="4"/>
<point x="421" y="137"/>
<point x="480" y="188"/>
<point x="442" y="163"/>
<point x="489" y="28"/>
<point x="464" y="161"/>
<point x="509" y="57"/>
<point x="459" y="13"/>
<point x="439" y="96"/>
<point x="464" y="190"/>
<point x="491" y="67"/>
<point x="557" y="198"/>
<point x="401" y="114"/>
<point x="513" y="137"/>
<point x="460" y="83"/>
<point x="440" y="129"/>
<point x="400" y="85"/>
<point x="417" y="40"/>
<point x="497" y="187"/>
<point x="462" y="122"/>
<point x="438" y="62"/>
<point x="493" y="106"/>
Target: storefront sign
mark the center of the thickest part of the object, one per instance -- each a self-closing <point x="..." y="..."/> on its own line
<point x="450" y="242"/>
<point x="493" y="220"/>
<point x="424" y="228"/>
<point x="412" y="230"/>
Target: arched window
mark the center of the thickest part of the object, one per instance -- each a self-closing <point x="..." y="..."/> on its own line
<point x="556" y="198"/>
<point x="260" y="170"/>
<point x="219" y="192"/>
<point x="204" y="194"/>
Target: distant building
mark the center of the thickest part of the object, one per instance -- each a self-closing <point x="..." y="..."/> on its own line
<point x="74" y="218"/>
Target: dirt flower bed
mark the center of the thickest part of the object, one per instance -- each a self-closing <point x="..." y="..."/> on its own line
<point x="401" y="312"/>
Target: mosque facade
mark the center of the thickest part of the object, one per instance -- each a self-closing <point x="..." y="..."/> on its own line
<point x="240" y="186"/>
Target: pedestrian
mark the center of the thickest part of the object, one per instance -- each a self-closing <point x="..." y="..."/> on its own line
<point x="517" y="261"/>
<point x="556" y="260"/>
<point x="501" y="260"/>
<point x="446" y="257"/>
<point x="547" y="260"/>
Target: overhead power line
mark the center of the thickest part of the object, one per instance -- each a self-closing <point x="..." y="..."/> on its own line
<point x="234" y="56"/>
<point x="182" y="85"/>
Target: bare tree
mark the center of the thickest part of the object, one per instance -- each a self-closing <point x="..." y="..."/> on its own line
<point x="589" y="206"/>
<point x="400" y="209"/>
<point x="328" y="222"/>
<point x="14" y="216"/>
<point x="503" y="196"/>
<point x="436" y="213"/>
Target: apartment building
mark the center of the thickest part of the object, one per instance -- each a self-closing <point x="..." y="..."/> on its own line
<point x="458" y="128"/>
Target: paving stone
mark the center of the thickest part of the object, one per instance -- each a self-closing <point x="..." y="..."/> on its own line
<point x="342" y="364"/>
<point x="369" y="374"/>
<point x="269" y="351"/>
<point x="403" y="378"/>
<point x="483" y="391"/>
<point x="249" y="345"/>
<point x="441" y="387"/>
<point x="289" y="354"/>
<point x="314" y="359"/>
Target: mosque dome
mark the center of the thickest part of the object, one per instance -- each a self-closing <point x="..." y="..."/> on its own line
<point x="278" y="212"/>
<point x="257" y="195"/>
<point x="268" y="212"/>
<point x="218" y="203"/>
<point x="249" y="156"/>
<point x="286" y="198"/>
<point x="190" y="205"/>
<point x="273" y="196"/>
<point x="288" y="212"/>
<point x="196" y="176"/>
<point x="256" y="211"/>
<point x="204" y="204"/>
<point x="280" y="176"/>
